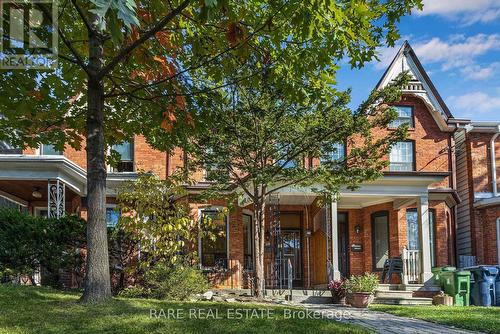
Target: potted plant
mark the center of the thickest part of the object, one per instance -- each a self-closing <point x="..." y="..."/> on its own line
<point x="361" y="289"/>
<point x="337" y="288"/>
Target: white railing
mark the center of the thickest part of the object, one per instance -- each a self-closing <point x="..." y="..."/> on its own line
<point x="411" y="266"/>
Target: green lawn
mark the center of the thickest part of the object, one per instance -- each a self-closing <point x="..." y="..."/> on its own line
<point x="484" y="319"/>
<point x="41" y="310"/>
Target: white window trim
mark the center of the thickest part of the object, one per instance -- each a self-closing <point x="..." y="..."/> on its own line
<point x="400" y="163"/>
<point x="212" y="208"/>
<point x="38" y="151"/>
<point x="109" y="168"/>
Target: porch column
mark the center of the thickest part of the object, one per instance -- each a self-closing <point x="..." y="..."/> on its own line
<point x="335" y="241"/>
<point x="425" y="243"/>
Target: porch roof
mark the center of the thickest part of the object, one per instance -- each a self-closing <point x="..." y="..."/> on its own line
<point x="35" y="168"/>
<point x="399" y="187"/>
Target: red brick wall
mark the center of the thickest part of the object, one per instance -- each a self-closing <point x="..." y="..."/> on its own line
<point x="148" y="159"/>
<point x="478" y="145"/>
<point x="485" y="234"/>
<point x="432" y="153"/>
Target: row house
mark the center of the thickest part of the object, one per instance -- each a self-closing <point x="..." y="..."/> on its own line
<point x="410" y="211"/>
<point x="478" y="215"/>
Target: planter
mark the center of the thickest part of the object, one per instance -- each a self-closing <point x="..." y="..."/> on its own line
<point x="361" y="299"/>
<point x="336" y="299"/>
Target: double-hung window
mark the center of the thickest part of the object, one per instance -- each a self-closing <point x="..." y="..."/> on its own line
<point x="405" y="116"/>
<point x="126" y="152"/>
<point x="402" y="157"/>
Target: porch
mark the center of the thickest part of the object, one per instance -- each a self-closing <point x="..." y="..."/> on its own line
<point x="397" y="216"/>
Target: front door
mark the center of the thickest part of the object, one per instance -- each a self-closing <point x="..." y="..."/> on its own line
<point x="292" y="251"/>
<point x="343" y="240"/>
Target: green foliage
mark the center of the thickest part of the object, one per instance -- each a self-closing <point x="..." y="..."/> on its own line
<point x="177" y="282"/>
<point x="258" y="138"/>
<point x="364" y="283"/>
<point x="170" y="282"/>
<point x="165" y="79"/>
<point x="28" y="242"/>
<point x="153" y="216"/>
<point x="156" y="215"/>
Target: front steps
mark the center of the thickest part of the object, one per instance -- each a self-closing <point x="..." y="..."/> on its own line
<point x="399" y="294"/>
<point x="389" y="294"/>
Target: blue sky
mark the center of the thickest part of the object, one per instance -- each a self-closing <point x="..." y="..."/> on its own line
<point x="458" y="43"/>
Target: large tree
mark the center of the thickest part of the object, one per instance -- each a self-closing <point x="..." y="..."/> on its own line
<point x="255" y="140"/>
<point x="126" y="66"/>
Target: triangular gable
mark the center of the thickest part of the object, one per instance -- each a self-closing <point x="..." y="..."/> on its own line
<point x="420" y="84"/>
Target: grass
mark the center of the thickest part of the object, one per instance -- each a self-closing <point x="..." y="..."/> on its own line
<point x="42" y="310"/>
<point x="475" y="318"/>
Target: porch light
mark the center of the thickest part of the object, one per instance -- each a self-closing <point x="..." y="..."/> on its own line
<point x="357" y="229"/>
<point x="36" y="193"/>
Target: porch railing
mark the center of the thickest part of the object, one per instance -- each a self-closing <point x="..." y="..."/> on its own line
<point x="411" y="266"/>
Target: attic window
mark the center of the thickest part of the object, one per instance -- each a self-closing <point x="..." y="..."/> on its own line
<point x="405" y="116"/>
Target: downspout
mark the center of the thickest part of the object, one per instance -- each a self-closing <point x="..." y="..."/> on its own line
<point x="494" y="162"/>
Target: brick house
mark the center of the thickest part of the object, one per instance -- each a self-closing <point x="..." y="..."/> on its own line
<point x="410" y="211"/>
<point x="478" y="163"/>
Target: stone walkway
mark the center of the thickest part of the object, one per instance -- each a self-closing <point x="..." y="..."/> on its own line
<point x="380" y="322"/>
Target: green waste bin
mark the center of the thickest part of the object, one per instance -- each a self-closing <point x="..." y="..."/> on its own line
<point x="457" y="285"/>
<point x="437" y="271"/>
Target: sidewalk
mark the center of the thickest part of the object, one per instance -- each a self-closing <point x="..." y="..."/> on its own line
<point x="380" y="322"/>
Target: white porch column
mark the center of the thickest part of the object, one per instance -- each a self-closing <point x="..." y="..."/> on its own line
<point x="335" y="241"/>
<point x="425" y="243"/>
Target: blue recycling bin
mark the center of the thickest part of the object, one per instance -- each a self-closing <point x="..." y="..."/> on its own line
<point x="483" y="288"/>
<point x="497" y="288"/>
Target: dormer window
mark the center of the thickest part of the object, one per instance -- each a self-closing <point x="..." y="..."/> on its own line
<point x="126" y="152"/>
<point x="49" y="149"/>
<point x="405" y="116"/>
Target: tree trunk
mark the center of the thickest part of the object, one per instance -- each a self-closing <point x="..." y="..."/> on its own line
<point x="260" y="234"/>
<point x="97" y="280"/>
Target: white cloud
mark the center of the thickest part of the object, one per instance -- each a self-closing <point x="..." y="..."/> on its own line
<point x="476" y="72"/>
<point x="457" y="53"/>
<point x="475" y="102"/>
<point x="466" y="11"/>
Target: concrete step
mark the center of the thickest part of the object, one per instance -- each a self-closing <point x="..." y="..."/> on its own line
<point x="403" y="301"/>
<point x="408" y="287"/>
<point x="393" y="294"/>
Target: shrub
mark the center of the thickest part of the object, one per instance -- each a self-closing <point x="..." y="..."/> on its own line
<point x="170" y="282"/>
<point x="28" y="243"/>
<point x="137" y="291"/>
<point x="177" y="282"/>
<point x="364" y="283"/>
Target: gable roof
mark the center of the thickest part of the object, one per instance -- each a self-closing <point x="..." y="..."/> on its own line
<point x="420" y="84"/>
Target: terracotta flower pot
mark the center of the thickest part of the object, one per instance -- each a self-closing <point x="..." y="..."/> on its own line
<point x="361" y="299"/>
